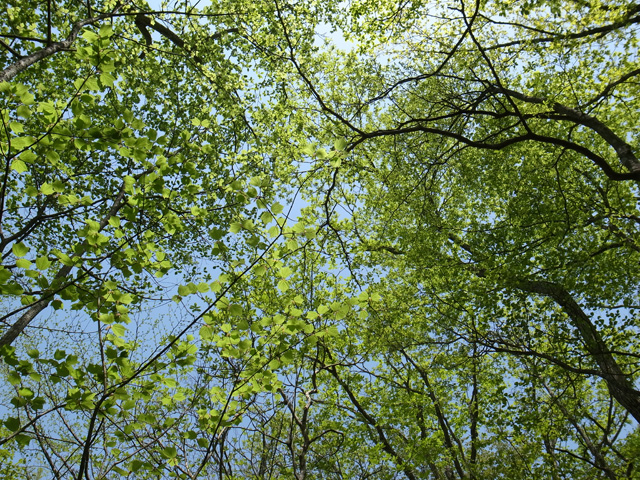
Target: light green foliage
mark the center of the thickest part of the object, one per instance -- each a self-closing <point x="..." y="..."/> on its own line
<point x="230" y="249"/>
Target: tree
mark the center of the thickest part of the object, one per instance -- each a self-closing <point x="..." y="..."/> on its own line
<point x="128" y="154"/>
<point x="456" y="299"/>
<point x="489" y="177"/>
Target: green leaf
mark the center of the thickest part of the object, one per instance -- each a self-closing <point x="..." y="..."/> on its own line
<point x="27" y="98"/>
<point x="125" y="298"/>
<point x="25" y="392"/>
<point x="11" y="289"/>
<point x="21" y="143"/>
<point x="266" y="217"/>
<point x="23" y="111"/>
<point x="206" y="333"/>
<point x="23" y="263"/>
<point x="14" y="378"/>
<point x="19" y="249"/>
<point x="169" y="452"/>
<point x="12" y="423"/>
<point x="28" y="157"/>
<point x="90" y="36"/>
<point x="274" y="364"/>
<point x="340" y="144"/>
<point x="244" y="325"/>
<point x="285" y="272"/>
<point x="64" y="258"/>
<point x="47" y="189"/>
<point x="23" y="440"/>
<point x="58" y="186"/>
<point x="16" y="127"/>
<point x="19" y="166"/>
<point x="118" y="330"/>
<point x="107" y="79"/>
<point x="136" y="465"/>
<point x="308" y="149"/>
<point x="274" y="231"/>
<point x="43" y="263"/>
<point x="203" y="442"/>
<point x="92" y="84"/>
<point x="106" y="31"/>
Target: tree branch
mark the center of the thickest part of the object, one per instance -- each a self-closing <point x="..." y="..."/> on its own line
<point x="485" y="145"/>
<point x="25" y="62"/>
<point x="18" y="327"/>
<point x="371" y="421"/>
<point x="622" y="148"/>
<point x="598" y="31"/>
<point x="620" y="387"/>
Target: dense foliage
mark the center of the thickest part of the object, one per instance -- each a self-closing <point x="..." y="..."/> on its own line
<point x="362" y="239"/>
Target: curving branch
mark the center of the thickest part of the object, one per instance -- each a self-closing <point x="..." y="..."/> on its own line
<point x="25" y="62"/>
<point x="597" y="32"/>
<point x="622" y="148"/>
<point x="599" y="161"/>
<point x="373" y="423"/>
<point x="18" y="327"/>
<point x="143" y="23"/>
<point x="445" y="428"/>
<point x="619" y="384"/>
<point x="600" y="460"/>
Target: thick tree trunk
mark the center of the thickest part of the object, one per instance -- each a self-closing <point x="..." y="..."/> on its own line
<point x="620" y="387"/>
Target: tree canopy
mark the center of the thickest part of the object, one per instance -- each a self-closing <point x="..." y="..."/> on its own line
<point x="319" y="240"/>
